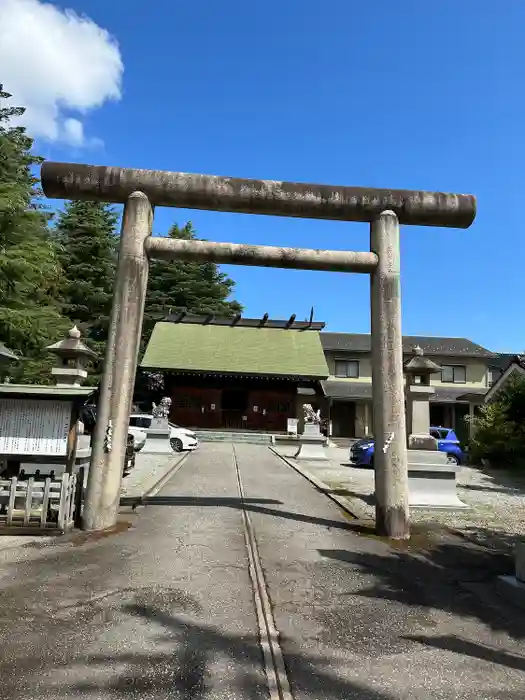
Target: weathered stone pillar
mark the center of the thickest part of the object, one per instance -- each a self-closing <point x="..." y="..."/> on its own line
<point x="109" y="444"/>
<point x="390" y="459"/>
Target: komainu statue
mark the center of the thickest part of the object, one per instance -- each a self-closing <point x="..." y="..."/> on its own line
<point x="311" y="416"/>
<point x="163" y="409"/>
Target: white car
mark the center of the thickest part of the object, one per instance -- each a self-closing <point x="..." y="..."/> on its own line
<point x="180" y="438"/>
<point x="139" y="437"/>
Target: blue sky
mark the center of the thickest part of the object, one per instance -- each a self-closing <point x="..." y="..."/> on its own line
<point x="398" y="94"/>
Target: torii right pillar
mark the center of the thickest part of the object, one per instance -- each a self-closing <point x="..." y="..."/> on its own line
<point x="431" y="476"/>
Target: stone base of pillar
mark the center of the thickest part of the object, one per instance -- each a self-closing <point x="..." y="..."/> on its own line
<point x="311" y="444"/>
<point x="157" y="442"/>
<point x="432" y="481"/>
<point x="513" y="587"/>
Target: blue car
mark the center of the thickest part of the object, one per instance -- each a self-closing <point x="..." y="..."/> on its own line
<point x="362" y="451"/>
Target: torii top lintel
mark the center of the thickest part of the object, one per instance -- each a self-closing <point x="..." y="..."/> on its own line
<point x="273" y="197"/>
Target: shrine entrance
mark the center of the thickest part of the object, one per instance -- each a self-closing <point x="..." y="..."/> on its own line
<point x="141" y="190"/>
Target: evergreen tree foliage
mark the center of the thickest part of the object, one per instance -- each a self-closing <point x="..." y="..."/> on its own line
<point x="30" y="273"/>
<point x="87" y="244"/>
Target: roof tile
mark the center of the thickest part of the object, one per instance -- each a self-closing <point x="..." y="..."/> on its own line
<point x="227" y="350"/>
<point x="360" y="342"/>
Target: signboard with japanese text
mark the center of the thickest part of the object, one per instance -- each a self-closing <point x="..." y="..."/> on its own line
<point x="34" y="427"/>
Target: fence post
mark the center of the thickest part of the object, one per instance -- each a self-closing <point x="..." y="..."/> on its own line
<point x="390" y="455"/>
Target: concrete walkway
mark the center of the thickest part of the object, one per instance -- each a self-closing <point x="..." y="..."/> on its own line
<point x="165" y="609"/>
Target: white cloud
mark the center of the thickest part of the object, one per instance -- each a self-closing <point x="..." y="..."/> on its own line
<point x="74" y="132"/>
<point x="55" y="62"/>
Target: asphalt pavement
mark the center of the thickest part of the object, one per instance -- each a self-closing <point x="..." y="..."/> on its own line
<point x="165" y="608"/>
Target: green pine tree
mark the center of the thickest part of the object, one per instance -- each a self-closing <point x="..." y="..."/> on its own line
<point x="87" y="245"/>
<point x="186" y="286"/>
<point x="30" y="272"/>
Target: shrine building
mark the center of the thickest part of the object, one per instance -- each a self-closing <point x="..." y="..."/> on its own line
<point x="238" y="373"/>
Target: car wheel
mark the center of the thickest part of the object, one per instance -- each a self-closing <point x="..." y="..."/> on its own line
<point x="371" y="462"/>
<point x="176" y="444"/>
<point x="453" y="459"/>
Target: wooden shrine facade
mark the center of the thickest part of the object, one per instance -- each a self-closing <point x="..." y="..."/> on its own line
<point x="237" y="374"/>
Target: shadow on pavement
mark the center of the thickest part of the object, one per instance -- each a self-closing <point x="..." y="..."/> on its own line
<point x="248" y="504"/>
<point x="368" y="498"/>
<point x="473" y="649"/>
<point x="454" y="576"/>
<point x="509" y="490"/>
<point x="184" y="671"/>
<point x="500" y="481"/>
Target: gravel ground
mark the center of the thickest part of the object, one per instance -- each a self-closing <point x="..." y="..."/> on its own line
<point x="496" y="500"/>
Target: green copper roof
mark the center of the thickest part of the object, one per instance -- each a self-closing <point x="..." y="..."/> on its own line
<point x="230" y="350"/>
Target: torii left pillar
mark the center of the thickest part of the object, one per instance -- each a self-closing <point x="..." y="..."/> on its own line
<point x="109" y="444"/>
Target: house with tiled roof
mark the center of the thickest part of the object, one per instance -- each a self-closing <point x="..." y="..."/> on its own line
<point x="460" y="385"/>
<point x="514" y="367"/>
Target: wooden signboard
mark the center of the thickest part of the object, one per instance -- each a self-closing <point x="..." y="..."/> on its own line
<point x="34" y="427"/>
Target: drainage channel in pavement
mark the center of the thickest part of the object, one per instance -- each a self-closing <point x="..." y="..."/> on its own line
<point x="277" y="678"/>
<point x="278" y="683"/>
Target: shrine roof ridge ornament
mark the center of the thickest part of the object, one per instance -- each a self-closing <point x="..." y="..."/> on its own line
<point x="271" y="197"/>
<point x="239" y="321"/>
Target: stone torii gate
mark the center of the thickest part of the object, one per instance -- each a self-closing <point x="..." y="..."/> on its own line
<point x="141" y="190"/>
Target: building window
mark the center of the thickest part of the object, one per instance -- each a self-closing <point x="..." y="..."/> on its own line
<point x="347" y="368"/>
<point x="494" y="375"/>
<point x="454" y="374"/>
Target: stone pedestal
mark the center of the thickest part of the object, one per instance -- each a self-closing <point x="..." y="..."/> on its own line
<point x="158" y="437"/>
<point x="431" y="477"/>
<point x="418" y="417"/>
<point x="513" y="587"/>
<point x="432" y="481"/>
<point x="311" y="444"/>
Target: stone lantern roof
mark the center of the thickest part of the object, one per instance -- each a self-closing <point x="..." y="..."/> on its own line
<point x="74" y="356"/>
<point x="421" y="366"/>
<point x="72" y="347"/>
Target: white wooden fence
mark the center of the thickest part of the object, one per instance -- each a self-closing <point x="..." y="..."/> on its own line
<point x="43" y="505"/>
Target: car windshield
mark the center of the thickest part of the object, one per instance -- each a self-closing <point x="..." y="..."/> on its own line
<point x="140" y="421"/>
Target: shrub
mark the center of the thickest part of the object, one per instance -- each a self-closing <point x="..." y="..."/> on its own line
<point x="499" y="428"/>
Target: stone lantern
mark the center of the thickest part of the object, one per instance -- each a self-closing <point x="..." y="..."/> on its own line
<point x="431" y="477"/>
<point x="418" y="392"/>
<point x="74" y="357"/>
